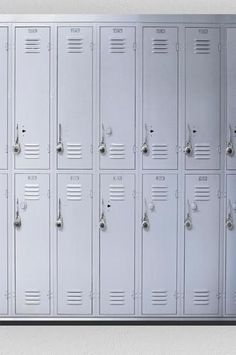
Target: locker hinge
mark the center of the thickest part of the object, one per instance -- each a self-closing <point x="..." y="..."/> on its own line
<point x="7" y="295"/>
<point x="220" y="194"/>
<point x="6" y="148"/>
<point x="6" y="46"/>
<point x="50" y="295"/>
<point x="6" y="193"/>
<point x="134" y="149"/>
<point x="178" y="149"/>
<point x="177" y="294"/>
<point x="49" y="193"/>
<point x="176" y="193"/>
<point x="92" y="45"/>
<point x="134" y="46"/>
<point x="136" y="295"/>
<point x="94" y="295"/>
<point x="134" y="194"/>
<point x="48" y="148"/>
<point x="219" y="295"/>
<point x="219" y="47"/>
<point x="49" y="46"/>
<point x="219" y="149"/>
<point x="91" y="193"/>
<point x="177" y="46"/>
<point x="91" y="149"/>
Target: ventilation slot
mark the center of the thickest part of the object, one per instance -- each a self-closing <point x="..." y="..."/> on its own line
<point x="202" y="151"/>
<point x="201" y="297"/>
<point x="159" y="298"/>
<point x="202" y="46"/>
<point x="117" y="45"/>
<point x="202" y="193"/>
<point x="159" y="46"/>
<point x="74" y="192"/>
<point x="31" y="151"/>
<point x="74" y="298"/>
<point x="32" y="298"/>
<point x="159" y="151"/>
<point x="159" y="193"/>
<point x="32" y="46"/>
<point x="75" y="45"/>
<point x="31" y="192"/>
<point x="117" y="192"/>
<point x="74" y="151"/>
<point x="117" y="298"/>
<point x="117" y="151"/>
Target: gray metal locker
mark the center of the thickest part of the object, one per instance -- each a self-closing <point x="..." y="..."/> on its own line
<point x="3" y="244"/>
<point x="159" y="244"/>
<point x="117" y="97"/>
<point x="230" y="235"/>
<point x="74" y="243"/>
<point x="32" y="97"/>
<point x="160" y="97"/>
<point x="117" y="220"/>
<point x="202" y="95"/>
<point x="32" y="243"/>
<point x="202" y="221"/>
<point x="230" y="139"/>
<point x="3" y="96"/>
<point x="75" y="97"/>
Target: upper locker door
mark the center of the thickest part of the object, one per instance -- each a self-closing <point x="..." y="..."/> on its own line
<point x="74" y="243"/>
<point x="3" y="244"/>
<point x="117" y="97"/>
<point x="75" y="97"/>
<point x="32" y="243"/>
<point x="160" y="98"/>
<point x="202" y="235"/>
<point x="202" y="93"/>
<point x="3" y="96"/>
<point x="159" y="244"/>
<point x="117" y="244"/>
<point x="32" y="97"/>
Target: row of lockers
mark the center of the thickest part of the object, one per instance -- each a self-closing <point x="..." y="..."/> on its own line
<point x="97" y="82"/>
<point x="74" y="227"/>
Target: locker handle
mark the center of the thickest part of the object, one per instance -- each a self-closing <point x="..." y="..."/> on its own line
<point x="59" y="221"/>
<point x="16" y="146"/>
<point x="144" y="147"/>
<point x="102" y="222"/>
<point x="188" y="220"/>
<point x="145" y="222"/>
<point x="229" y="220"/>
<point x="188" y="149"/>
<point x="229" y="146"/>
<point x="17" y="221"/>
<point x="59" y="147"/>
<point x="102" y="145"/>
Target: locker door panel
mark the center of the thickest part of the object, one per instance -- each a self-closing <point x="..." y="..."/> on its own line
<point x="159" y="244"/>
<point x="160" y="97"/>
<point x="74" y="244"/>
<point x="32" y="97"/>
<point x="230" y="245"/>
<point x="117" y="244"/>
<point x="202" y="94"/>
<point x="3" y="245"/>
<point x="117" y="97"/>
<point x="75" y="100"/>
<point x="3" y="96"/>
<point x="202" y="244"/>
<point x="32" y="241"/>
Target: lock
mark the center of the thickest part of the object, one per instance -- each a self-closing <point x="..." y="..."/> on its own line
<point x="229" y="223"/>
<point x="230" y="149"/>
<point x="59" y="222"/>
<point x="60" y="147"/>
<point x="145" y="224"/>
<point x="16" y="148"/>
<point x="144" y="148"/>
<point x="102" y="223"/>
<point x="17" y="221"/>
<point x="188" y="149"/>
<point x="102" y="148"/>
<point x="188" y="223"/>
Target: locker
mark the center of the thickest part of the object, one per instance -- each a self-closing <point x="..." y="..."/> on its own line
<point x="160" y="98"/>
<point x="202" y="95"/>
<point x="117" y="219"/>
<point x="159" y="244"/>
<point x="202" y="223"/>
<point x="117" y="97"/>
<point x="32" y="97"/>
<point x="3" y="96"/>
<point x="32" y="243"/>
<point x="74" y="243"/>
<point x="230" y="139"/>
<point x="230" y="218"/>
<point x="3" y="245"/>
<point x="75" y="99"/>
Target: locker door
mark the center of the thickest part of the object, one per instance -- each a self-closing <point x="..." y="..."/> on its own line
<point x="32" y="95"/>
<point x="231" y="103"/>
<point x="202" y="244"/>
<point x="160" y="98"/>
<point x="32" y="241"/>
<point x="202" y="94"/>
<point x="3" y="244"/>
<point x="3" y="96"/>
<point x="230" y="220"/>
<point x="159" y="244"/>
<point x="74" y="243"/>
<point x="117" y="97"/>
<point x="75" y="100"/>
<point x="117" y="244"/>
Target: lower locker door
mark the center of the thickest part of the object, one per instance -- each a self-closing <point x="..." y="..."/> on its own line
<point x="202" y="245"/>
<point x="74" y="243"/>
<point x="32" y="243"/>
<point x="117" y="213"/>
<point x="3" y="244"/>
<point x="159" y="244"/>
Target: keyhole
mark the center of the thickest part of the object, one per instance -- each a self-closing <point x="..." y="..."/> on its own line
<point x="151" y="131"/>
<point x="108" y="205"/>
<point x="194" y="131"/>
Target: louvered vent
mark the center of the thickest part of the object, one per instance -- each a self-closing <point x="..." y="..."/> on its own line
<point x="202" y="151"/>
<point x="159" y="193"/>
<point x="75" y="45"/>
<point x="159" y="298"/>
<point x="117" y="45"/>
<point x="74" y="151"/>
<point x="201" y="297"/>
<point x="32" y="45"/>
<point x="117" y="298"/>
<point x="74" y="192"/>
<point x="74" y="298"/>
<point x="32" y="298"/>
<point x="159" y="46"/>
<point x="202" y="46"/>
<point x="159" y="151"/>
<point x="31" y="151"/>
<point x="31" y="192"/>
<point x="117" y="192"/>
<point x="202" y="193"/>
<point x="117" y="151"/>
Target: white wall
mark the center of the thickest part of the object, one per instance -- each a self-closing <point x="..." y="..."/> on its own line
<point x="138" y="340"/>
